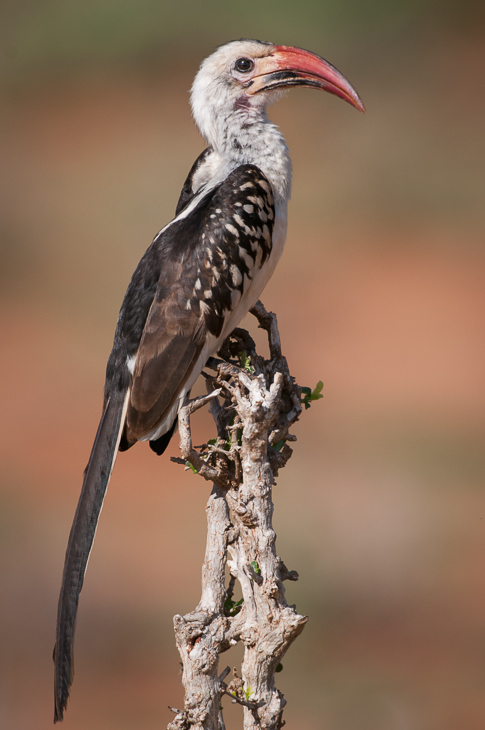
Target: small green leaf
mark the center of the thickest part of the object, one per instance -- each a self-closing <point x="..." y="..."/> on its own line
<point x="279" y="668"/>
<point x="245" y="361"/>
<point x="233" y="607"/>
<point x="191" y="466"/>
<point x="255" y="567"/>
<point x="279" y="445"/>
<point x="212" y="442"/>
<point x="248" y="692"/>
<point x="310" y="395"/>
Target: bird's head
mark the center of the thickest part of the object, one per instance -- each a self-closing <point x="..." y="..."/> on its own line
<point x="244" y="76"/>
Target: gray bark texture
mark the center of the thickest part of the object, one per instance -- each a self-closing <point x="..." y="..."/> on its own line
<point x="254" y="402"/>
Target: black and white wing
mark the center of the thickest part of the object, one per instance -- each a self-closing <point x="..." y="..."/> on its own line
<point x="191" y="288"/>
<point x="206" y="263"/>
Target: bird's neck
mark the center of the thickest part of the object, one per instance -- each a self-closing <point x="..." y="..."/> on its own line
<point x="244" y="138"/>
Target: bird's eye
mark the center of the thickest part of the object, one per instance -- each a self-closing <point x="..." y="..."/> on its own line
<point x="244" y="65"/>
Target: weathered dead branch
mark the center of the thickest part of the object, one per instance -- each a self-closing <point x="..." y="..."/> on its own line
<point x="254" y="403"/>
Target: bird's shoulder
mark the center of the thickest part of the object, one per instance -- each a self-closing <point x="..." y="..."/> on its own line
<point x="187" y="193"/>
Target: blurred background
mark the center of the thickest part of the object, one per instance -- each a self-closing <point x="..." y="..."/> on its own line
<point x="380" y="294"/>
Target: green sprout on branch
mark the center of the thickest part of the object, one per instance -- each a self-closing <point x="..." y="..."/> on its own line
<point x="233" y="607"/>
<point x="310" y="395"/>
<point x="245" y="362"/>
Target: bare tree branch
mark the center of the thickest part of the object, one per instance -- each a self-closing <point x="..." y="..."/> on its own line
<point x="254" y="403"/>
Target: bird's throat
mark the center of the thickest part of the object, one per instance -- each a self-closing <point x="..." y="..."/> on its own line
<point x="249" y="138"/>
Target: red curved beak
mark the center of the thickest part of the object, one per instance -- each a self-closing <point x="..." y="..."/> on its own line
<point x="287" y="66"/>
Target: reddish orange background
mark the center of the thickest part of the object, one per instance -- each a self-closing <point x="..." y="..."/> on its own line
<point x="380" y="294"/>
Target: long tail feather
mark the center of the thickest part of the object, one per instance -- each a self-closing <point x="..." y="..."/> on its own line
<point x="83" y="529"/>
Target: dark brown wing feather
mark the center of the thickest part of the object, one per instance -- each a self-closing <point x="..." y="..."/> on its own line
<point x="172" y="341"/>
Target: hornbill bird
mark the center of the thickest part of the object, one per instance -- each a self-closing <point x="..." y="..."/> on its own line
<point x="200" y="276"/>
